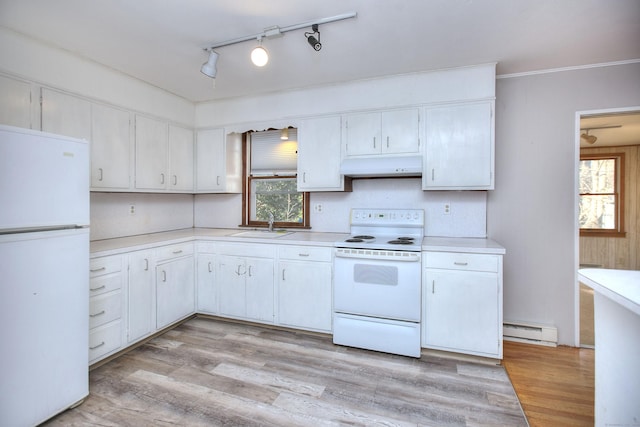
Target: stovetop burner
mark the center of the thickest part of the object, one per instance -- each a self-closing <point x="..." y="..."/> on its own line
<point x="363" y="237"/>
<point x="401" y="241"/>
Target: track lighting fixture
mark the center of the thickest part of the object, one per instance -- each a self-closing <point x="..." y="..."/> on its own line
<point x="590" y="139"/>
<point x="209" y="67"/>
<point x="259" y="55"/>
<point x="284" y="134"/>
<point x="312" y="39"/>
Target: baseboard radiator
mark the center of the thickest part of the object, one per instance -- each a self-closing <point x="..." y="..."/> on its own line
<point x="530" y="333"/>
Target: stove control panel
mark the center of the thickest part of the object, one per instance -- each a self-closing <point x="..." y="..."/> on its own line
<point x="387" y="217"/>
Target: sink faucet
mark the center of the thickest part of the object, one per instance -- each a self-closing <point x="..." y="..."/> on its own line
<point x="271" y="219"/>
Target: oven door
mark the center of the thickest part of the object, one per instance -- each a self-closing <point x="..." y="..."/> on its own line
<point x="383" y="284"/>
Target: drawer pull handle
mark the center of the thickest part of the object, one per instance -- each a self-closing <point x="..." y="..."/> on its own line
<point x="283" y="275"/>
<point x="433" y="286"/>
<point x="146" y="264"/>
<point x="101" y="175"/>
<point x="97" y="346"/>
<point x="175" y="179"/>
<point x="98" y="314"/>
<point x="303" y="255"/>
<point x="179" y="251"/>
<point x="95" y="270"/>
<point x="98" y="288"/>
<point x="210" y="267"/>
<point x="461" y="263"/>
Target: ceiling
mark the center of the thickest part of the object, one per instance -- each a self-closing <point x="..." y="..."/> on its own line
<point x="161" y="42"/>
<point x="611" y="129"/>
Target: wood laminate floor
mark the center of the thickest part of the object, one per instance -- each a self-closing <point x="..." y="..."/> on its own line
<point x="555" y="385"/>
<point x="210" y="372"/>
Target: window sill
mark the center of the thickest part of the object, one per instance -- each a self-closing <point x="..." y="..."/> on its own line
<point x="602" y="233"/>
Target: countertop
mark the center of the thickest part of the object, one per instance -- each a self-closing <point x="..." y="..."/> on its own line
<point x="621" y="286"/>
<point x="462" y="244"/>
<point x="305" y="238"/>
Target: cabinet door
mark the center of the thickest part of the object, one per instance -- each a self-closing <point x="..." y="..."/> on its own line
<point x="207" y="295"/>
<point x="66" y="115"/>
<point x="151" y="154"/>
<point x="210" y="160"/>
<point x="259" y="289"/>
<point x="141" y="301"/>
<point x="231" y="284"/>
<point x="459" y="147"/>
<point x="400" y="131"/>
<point x="304" y="295"/>
<point x="319" y="155"/>
<point x="461" y="311"/>
<point x="110" y="148"/>
<point x="180" y="159"/>
<point x="15" y="102"/>
<point x="175" y="291"/>
<point x="362" y="134"/>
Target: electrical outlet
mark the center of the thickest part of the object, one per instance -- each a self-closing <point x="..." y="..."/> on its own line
<point x="446" y="208"/>
<point x="318" y="208"/>
<point x="132" y="209"/>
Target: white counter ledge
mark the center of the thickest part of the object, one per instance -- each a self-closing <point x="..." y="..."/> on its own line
<point x="144" y="241"/>
<point x="462" y="244"/>
<point x="621" y="286"/>
<point x="617" y="344"/>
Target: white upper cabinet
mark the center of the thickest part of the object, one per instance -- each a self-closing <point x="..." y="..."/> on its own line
<point x="385" y="132"/>
<point x="459" y="148"/>
<point x="319" y="155"/>
<point x="180" y="159"/>
<point x="66" y="114"/>
<point x="218" y="162"/>
<point x="110" y="148"/>
<point x="164" y="156"/>
<point x="15" y="102"/>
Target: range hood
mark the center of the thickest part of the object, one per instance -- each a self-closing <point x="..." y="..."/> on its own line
<point x="381" y="166"/>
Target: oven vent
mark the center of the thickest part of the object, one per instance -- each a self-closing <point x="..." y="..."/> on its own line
<point x="530" y="333"/>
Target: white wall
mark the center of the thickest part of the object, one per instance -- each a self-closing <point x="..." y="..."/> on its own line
<point x="532" y="210"/>
<point x="111" y="213"/>
<point x="467" y="217"/>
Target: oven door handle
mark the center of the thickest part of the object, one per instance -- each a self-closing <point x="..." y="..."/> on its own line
<point x="379" y="255"/>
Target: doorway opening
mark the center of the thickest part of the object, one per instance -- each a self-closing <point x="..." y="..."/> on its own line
<point x="607" y="197"/>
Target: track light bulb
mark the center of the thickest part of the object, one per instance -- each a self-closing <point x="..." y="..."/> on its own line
<point x="259" y="55"/>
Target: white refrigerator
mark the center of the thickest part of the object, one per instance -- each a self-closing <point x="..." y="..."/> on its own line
<point x="44" y="275"/>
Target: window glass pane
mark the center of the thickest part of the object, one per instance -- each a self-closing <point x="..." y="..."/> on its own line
<point x="597" y="212"/>
<point x="597" y="176"/>
<point x="277" y="196"/>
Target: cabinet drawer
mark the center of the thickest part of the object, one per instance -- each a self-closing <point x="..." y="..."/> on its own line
<point x="461" y="261"/>
<point x="259" y="250"/>
<point x="174" y="251"/>
<point x="107" y="283"/>
<point x="105" y="308"/>
<point x="305" y="253"/>
<point x="206" y="247"/>
<point x="104" y="339"/>
<point x="105" y="265"/>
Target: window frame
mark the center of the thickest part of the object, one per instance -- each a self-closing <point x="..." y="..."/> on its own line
<point x="247" y="178"/>
<point x="619" y="196"/>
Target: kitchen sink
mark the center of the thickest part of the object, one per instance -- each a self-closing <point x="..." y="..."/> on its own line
<point x="262" y="234"/>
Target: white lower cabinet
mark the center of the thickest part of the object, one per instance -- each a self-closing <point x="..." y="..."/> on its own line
<point x="141" y="295"/>
<point x="175" y="284"/>
<point x="246" y="282"/>
<point x="106" y="306"/>
<point x="304" y="287"/>
<point x="462" y="303"/>
<point x="207" y="292"/>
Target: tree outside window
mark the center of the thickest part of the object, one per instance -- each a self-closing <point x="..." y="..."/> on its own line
<point x="601" y="195"/>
